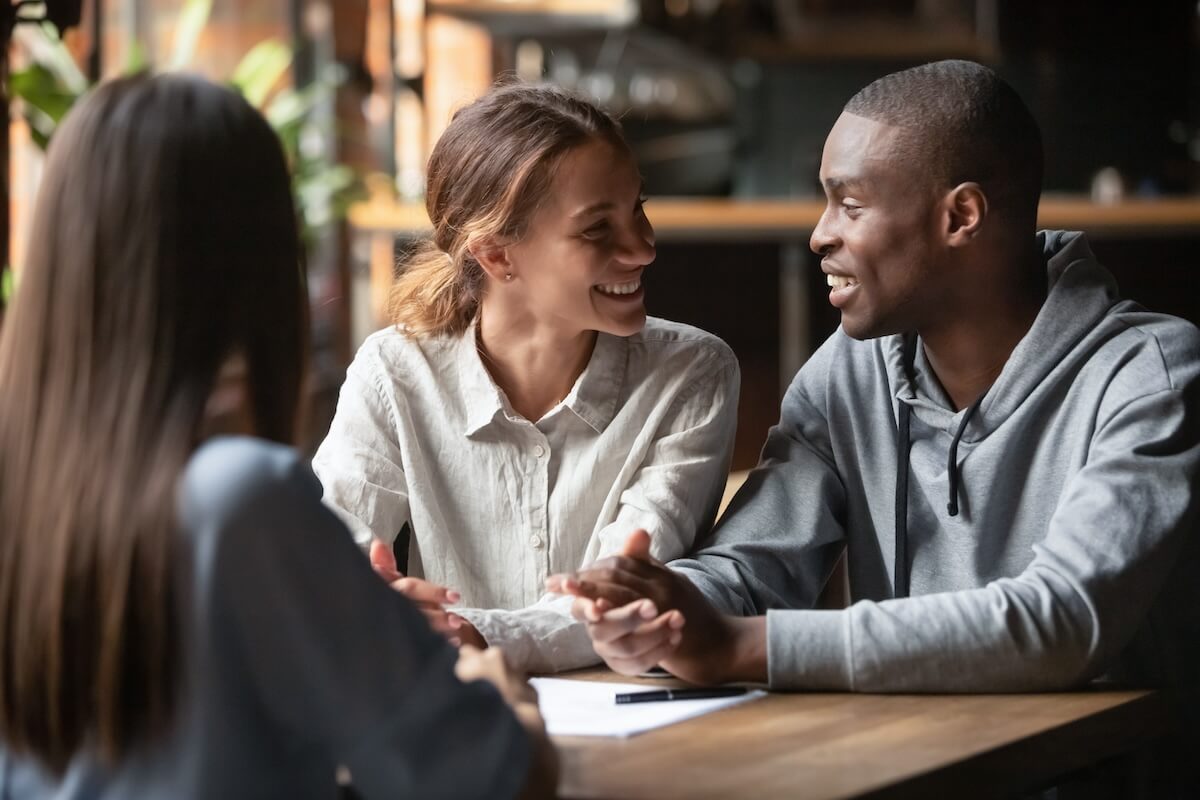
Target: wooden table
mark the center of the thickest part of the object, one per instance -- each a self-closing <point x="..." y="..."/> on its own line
<point x="858" y="745"/>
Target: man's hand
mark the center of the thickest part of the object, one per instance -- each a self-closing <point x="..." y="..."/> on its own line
<point x="639" y="614"/>
<point x="429" y="597"/>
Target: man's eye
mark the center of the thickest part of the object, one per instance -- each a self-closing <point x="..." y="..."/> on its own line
<point x="851" y="208"/>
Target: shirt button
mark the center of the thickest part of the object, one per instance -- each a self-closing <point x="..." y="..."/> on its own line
<point x="536" y="541"/>
<point x="539" y="451"/>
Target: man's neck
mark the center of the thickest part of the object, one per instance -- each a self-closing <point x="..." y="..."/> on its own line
<point x="968" y="351"/>
<point x="534" y="364"/>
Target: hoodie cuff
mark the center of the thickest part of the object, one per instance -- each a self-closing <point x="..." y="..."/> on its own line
<point x="809" y="650"/>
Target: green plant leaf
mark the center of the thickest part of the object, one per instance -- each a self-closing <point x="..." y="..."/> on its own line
<point x="260" y="70"/>
<point x="46" y="49"/>
<point x="40" y="88"/>
<point x="135" y="59"/>
<point x="8" y="285"/>
<point x="288" y="108"/>
<point x="192" y="19"/>
<point x="45" y="101"/>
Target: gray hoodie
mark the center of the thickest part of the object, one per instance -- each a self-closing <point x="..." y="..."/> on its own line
<point x="1073" y="552"/>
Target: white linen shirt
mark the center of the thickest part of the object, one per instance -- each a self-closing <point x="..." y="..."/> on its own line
<point x="495" y="503"/>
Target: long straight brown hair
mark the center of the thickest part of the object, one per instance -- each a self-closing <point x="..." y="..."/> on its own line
<point x="164" y="241"/>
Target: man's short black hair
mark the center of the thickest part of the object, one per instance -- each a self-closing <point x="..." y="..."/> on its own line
<point x="962" y="122"/>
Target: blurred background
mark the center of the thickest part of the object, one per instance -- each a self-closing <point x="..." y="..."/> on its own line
<point x="727" y="103"/>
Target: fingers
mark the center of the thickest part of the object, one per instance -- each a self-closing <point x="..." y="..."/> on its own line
<point x="630" y="642"/>
<point x="383" y="560"/>
<point x="470" y="665"/>
<point x="618" y="579"/>
<point x="638" y="664"/>
<point x="586" y="609"/>
<point x="633" y="563"/>
<point x="643" y="568"/>
<point x="424" y="593"/>
<point x="631" y="624"/>
<point x="490" y="665"/>
<point x="637" y="545"/>
<point x="609" y="593"/>
<point x="446" y="623"/>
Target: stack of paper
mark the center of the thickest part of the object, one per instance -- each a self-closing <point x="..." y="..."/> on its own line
<point x="589" y="708"/>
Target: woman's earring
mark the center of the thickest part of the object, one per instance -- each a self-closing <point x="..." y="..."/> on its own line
<point x="508" y="276"/>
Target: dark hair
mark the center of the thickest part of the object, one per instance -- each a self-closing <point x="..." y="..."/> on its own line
<point x="164" y="241"/>
<point x="962" y="123"/>
<point x="489" y="170"/>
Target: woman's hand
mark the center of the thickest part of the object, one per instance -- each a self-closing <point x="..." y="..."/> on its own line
<point x="489" y="665"/>
<point x="431" y="598"/>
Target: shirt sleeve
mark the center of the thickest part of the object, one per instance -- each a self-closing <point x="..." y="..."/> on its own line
<point x="339" y="660"/>
<point x="673" y="494"/>
<point x="1118" y="530"/>
<point x="360" y="464"/>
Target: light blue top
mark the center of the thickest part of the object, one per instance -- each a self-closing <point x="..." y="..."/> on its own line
<point x="298" y="659"/>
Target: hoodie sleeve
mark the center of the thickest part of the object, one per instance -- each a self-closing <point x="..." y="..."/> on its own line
<point x="1119" y="528"/>
<point x="781" y="536"/>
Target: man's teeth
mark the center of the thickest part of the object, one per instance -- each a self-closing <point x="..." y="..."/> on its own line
<point x="840" y="282"/>
<point x="619" y="288"/>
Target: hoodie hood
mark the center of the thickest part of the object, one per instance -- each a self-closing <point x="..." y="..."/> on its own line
<point x="1080" y="291"/>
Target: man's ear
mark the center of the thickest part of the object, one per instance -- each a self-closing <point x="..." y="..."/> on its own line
<point x="493" y="256"/>
<point x="966" y="208"/>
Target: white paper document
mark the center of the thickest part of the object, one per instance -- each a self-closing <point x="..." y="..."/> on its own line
<point x="589" y="708"/>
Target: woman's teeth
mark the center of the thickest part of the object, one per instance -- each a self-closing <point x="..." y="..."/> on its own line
<point x="840" y="282"/>
<point x="619" y="288"/>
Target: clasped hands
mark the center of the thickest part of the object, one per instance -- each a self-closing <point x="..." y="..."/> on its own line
<point x="430" y="598"/>
<point x="640" y="614"/>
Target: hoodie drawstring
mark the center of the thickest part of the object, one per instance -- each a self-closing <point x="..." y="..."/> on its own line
<point x="903" y="446"/>
<point x="900" y="579"/>
<point x="952" y="464"/>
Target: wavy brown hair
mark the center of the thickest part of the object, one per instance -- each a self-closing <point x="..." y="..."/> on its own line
<point x="164" y="241"/>
<point x="489" y="170"/>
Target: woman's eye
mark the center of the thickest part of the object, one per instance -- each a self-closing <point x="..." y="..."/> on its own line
<point x="596" y="231"/>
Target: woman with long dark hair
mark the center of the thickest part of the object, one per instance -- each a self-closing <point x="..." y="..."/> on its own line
<point x="180" y="616"/>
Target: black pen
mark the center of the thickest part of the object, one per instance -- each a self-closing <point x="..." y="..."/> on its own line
<point x="659" y="695"/>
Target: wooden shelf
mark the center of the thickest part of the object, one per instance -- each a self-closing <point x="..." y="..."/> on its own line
<point x="726" y="219"/>
<point x="538" y="15"/>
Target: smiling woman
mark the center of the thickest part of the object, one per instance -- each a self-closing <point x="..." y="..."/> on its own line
<point x="524" y="415"/>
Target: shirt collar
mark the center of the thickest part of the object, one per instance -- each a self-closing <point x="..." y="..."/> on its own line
<point x="482" y="398"/>
<point x="593" y="398"/>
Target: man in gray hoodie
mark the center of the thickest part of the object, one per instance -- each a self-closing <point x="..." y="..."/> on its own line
<point x="1007" y="451"/>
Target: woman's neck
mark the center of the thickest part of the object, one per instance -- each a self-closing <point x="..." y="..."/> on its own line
<point x="534" y="364"/>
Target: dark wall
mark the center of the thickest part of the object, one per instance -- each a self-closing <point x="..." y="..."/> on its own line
<point x="1112" y="84"/>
